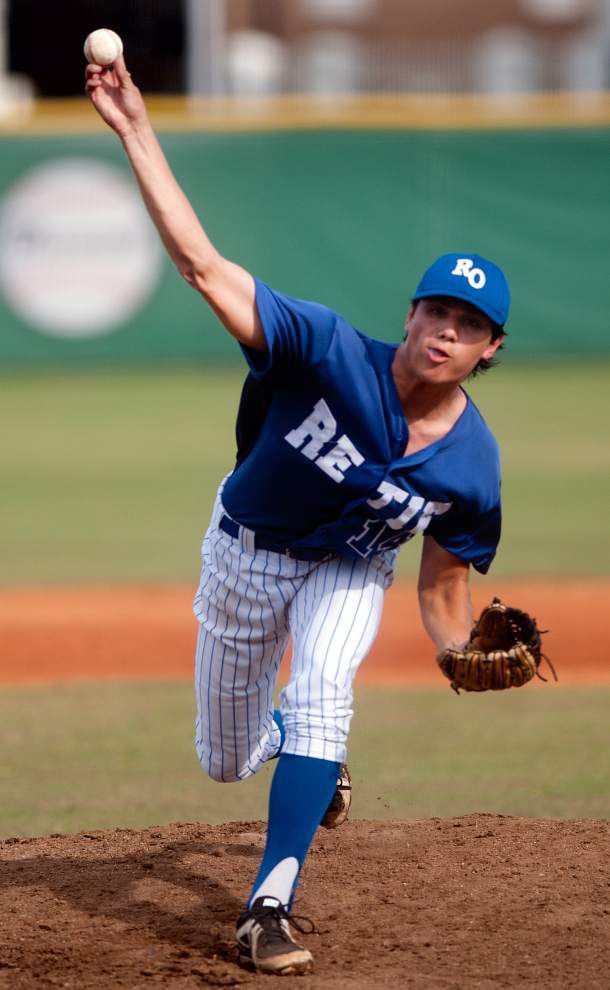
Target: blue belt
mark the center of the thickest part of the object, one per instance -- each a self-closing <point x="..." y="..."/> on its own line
<point x="231" y="528"/>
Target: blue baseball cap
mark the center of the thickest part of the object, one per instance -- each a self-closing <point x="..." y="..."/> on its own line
<point x="469" y="277"/>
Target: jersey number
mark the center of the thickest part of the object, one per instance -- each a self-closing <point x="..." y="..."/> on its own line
<point x="373" y="535"/>
<point x="370" y="537"/>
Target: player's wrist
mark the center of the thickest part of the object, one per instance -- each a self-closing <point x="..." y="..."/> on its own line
<point x="136" y="132"/>
<point x="453" y="643"/>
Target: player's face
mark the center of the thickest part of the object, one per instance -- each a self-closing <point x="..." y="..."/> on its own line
<point x="446" y="339"/>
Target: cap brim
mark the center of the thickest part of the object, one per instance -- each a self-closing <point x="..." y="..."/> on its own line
<point x="492" y="314"/>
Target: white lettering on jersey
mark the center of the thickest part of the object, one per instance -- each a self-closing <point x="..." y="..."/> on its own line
<point x="320" y="426"/>
<point x="339" y="459"/>
<point x="430" y="509"/>
<point x="377" y="533"/>
<point x="392" y="493"/>
<point x="388" y="493"/>
<point x="415" y="504"/>
<point x="364" y="541"/>
<point x="475" y="277"/>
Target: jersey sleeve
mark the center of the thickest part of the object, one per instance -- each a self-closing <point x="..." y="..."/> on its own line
<point x="470" y="534"/>
<point x="298" y="332"/>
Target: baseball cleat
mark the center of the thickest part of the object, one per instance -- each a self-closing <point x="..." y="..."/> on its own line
<point x="265" y="941"/>
<point x="338" y="809"/>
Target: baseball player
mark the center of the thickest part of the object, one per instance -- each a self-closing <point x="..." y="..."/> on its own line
<point x="347" y="448"/>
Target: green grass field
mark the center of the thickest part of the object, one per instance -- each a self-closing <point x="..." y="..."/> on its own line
<point x="110" y="475"/>
<point x="120" y="754"/>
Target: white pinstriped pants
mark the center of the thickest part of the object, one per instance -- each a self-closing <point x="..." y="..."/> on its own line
<point x="248" y="604"/>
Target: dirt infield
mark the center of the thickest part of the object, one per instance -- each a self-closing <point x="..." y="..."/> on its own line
<point x="49" y="634"/>
<point x="479" y="901"/>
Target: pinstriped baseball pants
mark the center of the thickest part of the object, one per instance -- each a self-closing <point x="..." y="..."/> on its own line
<point x="248" y="604"/>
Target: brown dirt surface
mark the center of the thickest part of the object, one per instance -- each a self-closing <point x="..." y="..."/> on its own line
<point x="49" y="634"/>
<point x="479" y="901"/>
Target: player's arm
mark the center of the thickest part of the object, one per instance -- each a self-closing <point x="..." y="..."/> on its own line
<point x="444" y="596"/>
<point x="227" y="287"/>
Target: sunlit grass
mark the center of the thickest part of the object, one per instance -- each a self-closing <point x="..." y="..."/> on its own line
<point x="121" y="754"/>
<point x="110" y="475"/>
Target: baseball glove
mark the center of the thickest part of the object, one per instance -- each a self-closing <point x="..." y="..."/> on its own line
<point x="504" y="651"/>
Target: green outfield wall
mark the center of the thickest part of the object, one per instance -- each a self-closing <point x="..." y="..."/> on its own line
<point x="349" y="218"/>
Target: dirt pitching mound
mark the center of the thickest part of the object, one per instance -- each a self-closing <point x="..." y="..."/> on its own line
<point x="479" y="901"/>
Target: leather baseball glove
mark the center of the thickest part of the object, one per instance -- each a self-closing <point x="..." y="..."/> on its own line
<point x="504" y="651"/>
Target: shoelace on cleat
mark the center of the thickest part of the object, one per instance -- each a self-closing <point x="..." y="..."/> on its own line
<point x="296" y="920"/>
<point x="279" y="914"/>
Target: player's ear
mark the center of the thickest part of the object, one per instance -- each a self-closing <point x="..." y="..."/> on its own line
<point x="492" y="347"/>
<point x="407" y="318"/>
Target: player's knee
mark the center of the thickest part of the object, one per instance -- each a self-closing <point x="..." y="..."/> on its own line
<point x="221" y="774"/>
<point x="220" y="766"/>
<point x="211" y="763"/>
<point x="216" y="771"/>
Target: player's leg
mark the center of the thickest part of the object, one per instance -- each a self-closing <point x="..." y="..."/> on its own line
<point x="236" y="731"/>
<point x="334" y="619"/>
<point x="242" y="636"/>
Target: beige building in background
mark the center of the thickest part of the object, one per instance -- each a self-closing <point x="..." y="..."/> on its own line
<point x="404" y="45"/>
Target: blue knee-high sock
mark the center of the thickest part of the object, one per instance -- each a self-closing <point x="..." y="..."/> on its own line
<point x="301" y="791"/>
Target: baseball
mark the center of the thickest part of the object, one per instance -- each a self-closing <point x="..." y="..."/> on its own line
<point x="103" y="46"/>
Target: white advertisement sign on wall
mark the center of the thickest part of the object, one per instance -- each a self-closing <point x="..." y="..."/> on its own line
<point x="78" y="252"/>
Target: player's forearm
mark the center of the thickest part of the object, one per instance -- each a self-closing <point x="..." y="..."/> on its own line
<point x="177" y="223"/>
<point x="229" y="289"/>
<point x="446" y="611"/>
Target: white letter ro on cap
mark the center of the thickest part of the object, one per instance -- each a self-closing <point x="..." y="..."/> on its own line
<point x="475" y="276"/>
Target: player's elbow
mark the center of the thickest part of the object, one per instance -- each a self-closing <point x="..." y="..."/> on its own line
<point x="441" y="584"/>
<point x="193" y="273"/>
<point x="441" y="573"/>
<point x="188" y="273"/>
<point x="201" y="273"/>
<point x="444" y="593"/>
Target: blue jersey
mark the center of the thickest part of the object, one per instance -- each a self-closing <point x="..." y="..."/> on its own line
<point x="325" y="466"/>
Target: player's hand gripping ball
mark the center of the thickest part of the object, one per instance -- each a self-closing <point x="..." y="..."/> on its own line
<point x="103" y="46"/>
<point x="504" y="651"/>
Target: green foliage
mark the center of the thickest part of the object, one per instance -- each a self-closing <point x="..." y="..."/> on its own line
<point x="120" y="754"/>
<point x="110" y="475"/>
